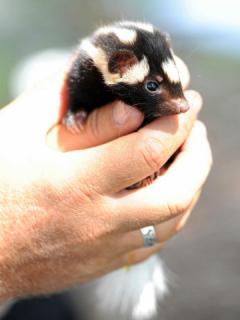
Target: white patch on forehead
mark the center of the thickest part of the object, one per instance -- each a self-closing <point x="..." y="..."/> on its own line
<point x="139" y="25"/>
<point x="133" y="75"/>
<point x="170" y="70"/>
<point x="126" y="36"/>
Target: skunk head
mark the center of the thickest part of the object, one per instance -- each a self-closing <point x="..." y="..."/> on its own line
<point x="137" y="65"/>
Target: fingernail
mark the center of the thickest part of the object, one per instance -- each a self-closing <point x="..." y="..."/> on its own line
<point x="123" y="113"/>
<point x="194" y="99"/>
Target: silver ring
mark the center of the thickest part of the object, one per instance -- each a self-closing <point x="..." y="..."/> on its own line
<point x="149" y="236"/>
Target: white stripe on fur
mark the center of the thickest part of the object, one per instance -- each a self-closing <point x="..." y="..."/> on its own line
<point x="133" y="75"/>
<point x="170" y="70"/>
<point x="139" y="25"/>
<point x="126" y="36"/>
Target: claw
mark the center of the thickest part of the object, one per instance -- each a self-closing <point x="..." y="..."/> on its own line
<point x="74" y="122"/>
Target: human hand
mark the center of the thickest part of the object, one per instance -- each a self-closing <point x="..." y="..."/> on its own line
<point x="59" y="211"/>
<point x="96" y="132"/>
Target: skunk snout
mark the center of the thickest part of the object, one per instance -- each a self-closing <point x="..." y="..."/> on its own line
<point x="173" y="106"/>
<point x="179" y="105"/>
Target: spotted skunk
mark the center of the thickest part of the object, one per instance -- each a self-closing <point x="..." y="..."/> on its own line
<point x="126" y="61"/>
<point x="132" y="62"/>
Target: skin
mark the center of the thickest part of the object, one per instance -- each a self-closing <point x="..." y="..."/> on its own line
<point x="66" y="217"/>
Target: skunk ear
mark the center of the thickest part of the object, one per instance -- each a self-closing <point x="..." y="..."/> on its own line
<point x="121" y="60"/>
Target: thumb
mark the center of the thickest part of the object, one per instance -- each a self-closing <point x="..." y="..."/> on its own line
<point x="102" y="125"/>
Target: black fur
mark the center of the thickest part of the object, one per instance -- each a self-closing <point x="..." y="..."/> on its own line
<point x="86" y="88"/>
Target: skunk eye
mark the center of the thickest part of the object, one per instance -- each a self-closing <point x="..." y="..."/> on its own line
<point x="152" y="85"/>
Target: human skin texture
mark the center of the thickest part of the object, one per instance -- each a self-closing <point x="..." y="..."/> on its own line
<point x="66" y="217"/>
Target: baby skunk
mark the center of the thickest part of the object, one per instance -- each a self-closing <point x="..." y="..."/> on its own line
<point x="131" y="62"/>
<point x="126" y="61"/>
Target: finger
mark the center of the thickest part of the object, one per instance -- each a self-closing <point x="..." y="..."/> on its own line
<point x="105" y="124"/>
<point x="169" y="229"/>
<point x="171" y="194"/>
<point x="133" y="240"/>
<point x="195" y="153"/>
<point x="164" y="231"/>
<point x="184" y="218"/>
<point x="129" y="243"/>
<point x="129" y="159"/>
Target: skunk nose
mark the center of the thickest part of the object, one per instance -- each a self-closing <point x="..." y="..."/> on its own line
<point x="180" y="105"/>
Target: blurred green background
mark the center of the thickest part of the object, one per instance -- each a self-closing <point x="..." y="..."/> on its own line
<point x="205" y="257"/>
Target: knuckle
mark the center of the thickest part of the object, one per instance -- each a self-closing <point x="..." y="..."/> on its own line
<point x="81" y="193"/>
<point x="177" y="209"/>
<point x="153" y="151"/>
<point x="180" y="205"/>
<point x="98" y="229"/>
